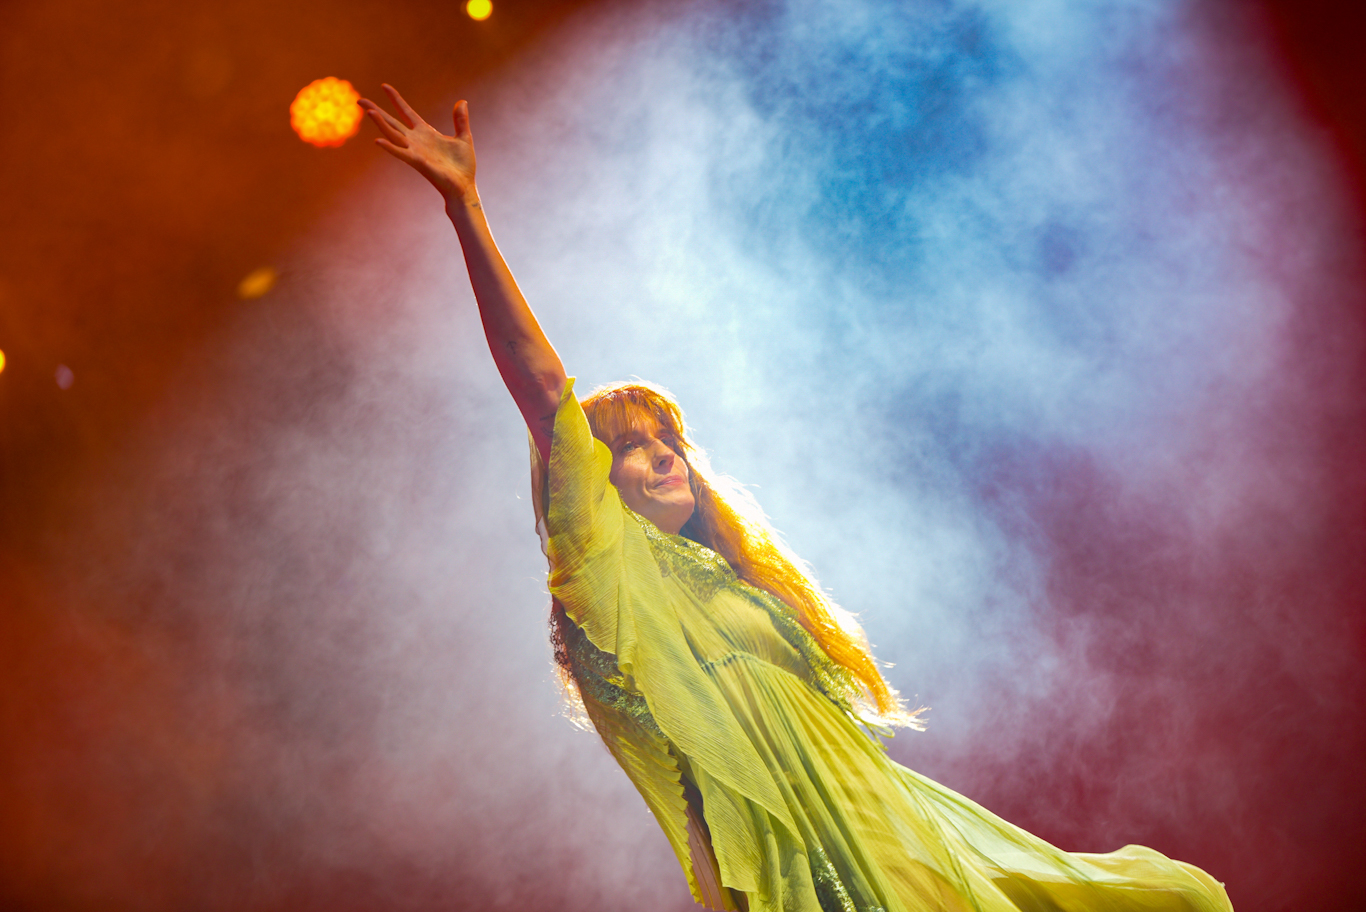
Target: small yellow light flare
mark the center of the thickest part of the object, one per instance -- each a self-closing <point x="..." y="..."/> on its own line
<point x="257" y="283"/>
<point x="325" y="113"/>
<point x="479" y="10"/>
<point x="2" y="361"/>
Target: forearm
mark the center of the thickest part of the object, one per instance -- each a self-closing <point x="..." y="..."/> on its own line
<point x="529" y="366"/>
<point x="527" y="362"/>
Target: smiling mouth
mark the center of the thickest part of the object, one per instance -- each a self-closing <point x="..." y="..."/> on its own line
<point x="670" y="482"/>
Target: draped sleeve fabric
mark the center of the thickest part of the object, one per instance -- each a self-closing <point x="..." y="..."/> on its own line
<point x="609" y="581"/>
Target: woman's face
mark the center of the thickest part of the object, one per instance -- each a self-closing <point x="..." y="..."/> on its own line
<point x="651" y="477"/>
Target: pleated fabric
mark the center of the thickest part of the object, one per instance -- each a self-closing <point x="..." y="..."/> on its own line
<point x="709" y="696"/>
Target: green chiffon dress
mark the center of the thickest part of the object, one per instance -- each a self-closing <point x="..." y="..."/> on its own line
<point x="726" y="716"/>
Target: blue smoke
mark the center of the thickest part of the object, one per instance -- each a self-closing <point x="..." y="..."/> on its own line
<point x="880" y="249"/>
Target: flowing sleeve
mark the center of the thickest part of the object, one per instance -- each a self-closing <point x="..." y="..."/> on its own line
<point x="581" y="523"/>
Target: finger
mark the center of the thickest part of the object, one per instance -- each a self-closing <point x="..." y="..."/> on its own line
<point x="405" y="109"/>
<point x="402" y="154"/>
<point x="375" y="110"/>
<point x="461" y="116"/>
<point x="391" y="128"/>
<point x="388" y="127"/>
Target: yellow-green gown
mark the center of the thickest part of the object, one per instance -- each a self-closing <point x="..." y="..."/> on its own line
<point x="724" y="713"/>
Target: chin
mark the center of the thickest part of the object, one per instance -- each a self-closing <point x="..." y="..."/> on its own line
<point x="674" y="520"/>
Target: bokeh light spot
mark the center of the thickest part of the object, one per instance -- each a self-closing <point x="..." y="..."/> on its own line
<point x="324" y="113"/>
<point x="2" y="361"/>
<point x="65" y="377"/>
<point x="479" y="10"/>
<point x="257" y="282"/>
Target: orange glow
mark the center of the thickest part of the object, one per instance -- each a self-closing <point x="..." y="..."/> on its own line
<point x="479" y="10"/>
<point x="324" y="113"/>
<point x="2" y="362"/>
<point x="257" y="283"/>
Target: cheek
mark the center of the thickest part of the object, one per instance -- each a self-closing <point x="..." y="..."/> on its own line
<point x="626" y="473"/>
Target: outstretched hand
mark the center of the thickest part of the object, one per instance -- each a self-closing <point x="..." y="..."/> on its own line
<point x="446" y="161"/>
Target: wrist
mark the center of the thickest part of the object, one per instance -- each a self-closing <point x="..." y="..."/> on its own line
<point x="463" y="205"/>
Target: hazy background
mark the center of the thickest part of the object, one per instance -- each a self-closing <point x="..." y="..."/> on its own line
<point x="1035" y="325"/>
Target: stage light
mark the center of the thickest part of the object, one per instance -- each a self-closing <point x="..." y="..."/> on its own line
<point x="325" y="113"/>
<point x="2" y="361"/>
<point x="257" y="282"/>
<point x="479" y="10"/>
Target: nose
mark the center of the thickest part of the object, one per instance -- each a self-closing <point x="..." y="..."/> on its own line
<point x="663" y="456"/>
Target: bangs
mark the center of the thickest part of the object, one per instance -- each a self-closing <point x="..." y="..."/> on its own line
<point x="614" y="410"/>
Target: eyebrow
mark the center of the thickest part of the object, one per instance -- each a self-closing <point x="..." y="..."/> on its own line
<point x="659" y="433"/>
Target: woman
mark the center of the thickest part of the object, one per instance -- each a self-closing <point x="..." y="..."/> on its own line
<point x="725" y="684"/>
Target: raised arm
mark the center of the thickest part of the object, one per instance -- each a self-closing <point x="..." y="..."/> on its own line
<point x="530" y="368"/>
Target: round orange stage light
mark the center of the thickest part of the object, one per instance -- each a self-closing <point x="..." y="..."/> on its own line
<point x="2" y="362"/>
<point x="479" y="10"/>
<point x="325" y="113"/>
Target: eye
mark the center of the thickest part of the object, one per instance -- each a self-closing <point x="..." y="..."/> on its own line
<point x="627" y="447"/>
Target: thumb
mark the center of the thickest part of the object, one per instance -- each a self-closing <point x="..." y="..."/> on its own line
<point x="461" y="116"/>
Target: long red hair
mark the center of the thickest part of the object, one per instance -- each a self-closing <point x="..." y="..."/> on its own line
<point x="729" y="521"/>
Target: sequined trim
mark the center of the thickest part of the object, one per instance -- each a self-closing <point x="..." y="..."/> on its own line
<point x="601" y="681"/>
<point x="696" y="566"/>
<point x="830" y="891"/>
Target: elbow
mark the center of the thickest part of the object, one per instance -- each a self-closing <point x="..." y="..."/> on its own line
<point x="549" y="382"/>
<point x="542" y="390"/>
